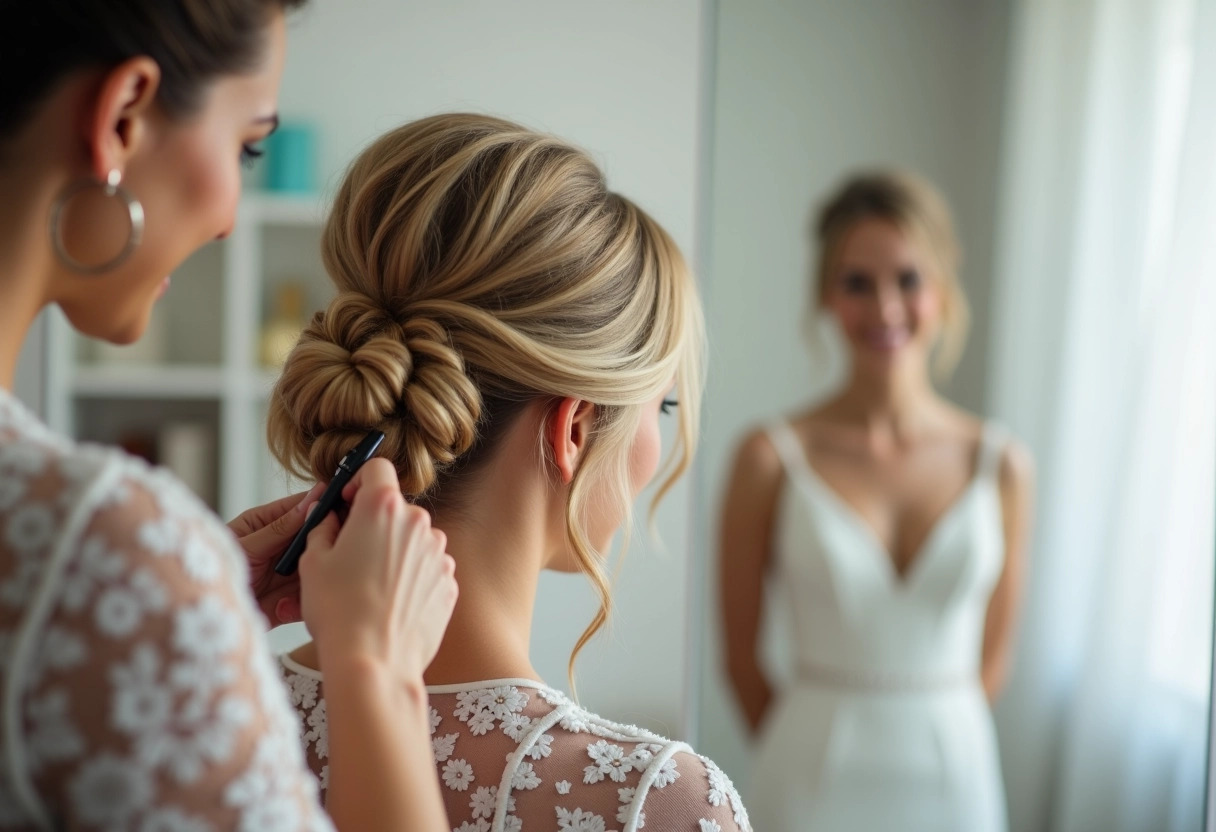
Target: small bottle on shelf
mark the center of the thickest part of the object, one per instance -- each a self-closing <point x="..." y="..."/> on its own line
<point x="283" y="328"/>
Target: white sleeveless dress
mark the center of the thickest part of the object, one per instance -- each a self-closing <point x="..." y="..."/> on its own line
<point x="886" y="726"/>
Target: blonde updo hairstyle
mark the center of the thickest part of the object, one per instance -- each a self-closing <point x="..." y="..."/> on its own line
<point x="481" y="267"/>
<point x="915" y="207"/>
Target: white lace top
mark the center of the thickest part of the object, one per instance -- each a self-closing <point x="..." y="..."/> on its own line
<point x="515" y="755"/>
<point x="138" y="689"/>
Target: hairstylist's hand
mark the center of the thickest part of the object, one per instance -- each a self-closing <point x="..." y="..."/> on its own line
<point x="265" y="533"/>
<point x="380" y="586"/>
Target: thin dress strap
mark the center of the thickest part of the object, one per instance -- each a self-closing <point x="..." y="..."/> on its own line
<point x="993" y="441"/>
<point x="790" y="450"/>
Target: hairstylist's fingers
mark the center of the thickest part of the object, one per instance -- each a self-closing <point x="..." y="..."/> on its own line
<point x="276" y="534"/>
<point x="377" y="471"/>
<point x="323" y="536"/>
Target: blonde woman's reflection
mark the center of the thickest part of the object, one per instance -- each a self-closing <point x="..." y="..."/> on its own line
<point x="895" y="525"/>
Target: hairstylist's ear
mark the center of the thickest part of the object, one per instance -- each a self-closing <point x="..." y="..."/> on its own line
<point x="569" y="432"/>
<point x="115" y="120"/>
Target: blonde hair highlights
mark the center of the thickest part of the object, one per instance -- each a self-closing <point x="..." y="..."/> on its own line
<point x="480" y="266"/>
<point x="914" y="206"/>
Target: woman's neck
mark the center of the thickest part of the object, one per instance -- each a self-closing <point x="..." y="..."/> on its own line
<point x="498" y="563"/>
<point x="23" y="253"/>
<point x="893" y="405"/>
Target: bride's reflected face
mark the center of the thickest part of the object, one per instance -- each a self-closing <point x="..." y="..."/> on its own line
<point x="882" y="293"/>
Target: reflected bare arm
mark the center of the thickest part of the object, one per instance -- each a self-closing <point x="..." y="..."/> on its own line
<point x="1000" y="626"/>
<point x="745" y="540"/>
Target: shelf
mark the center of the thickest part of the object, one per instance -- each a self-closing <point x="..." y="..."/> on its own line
<point x="150" y="382"/>
<point x="268" y="208"/>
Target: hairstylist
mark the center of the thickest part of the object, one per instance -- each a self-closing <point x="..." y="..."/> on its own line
<point x="138" y="690"/>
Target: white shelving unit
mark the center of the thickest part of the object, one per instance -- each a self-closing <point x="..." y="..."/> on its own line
<point x="210" y="371"/>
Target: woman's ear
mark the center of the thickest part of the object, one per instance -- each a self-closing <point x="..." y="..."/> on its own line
<point x="569" y="433"/>
<point x="115" y="119"/>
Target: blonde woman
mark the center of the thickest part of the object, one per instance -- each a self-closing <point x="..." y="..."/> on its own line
<point x="139" y="691"/>
<point x="515" y="329"/>
<point x="895" y="526"/>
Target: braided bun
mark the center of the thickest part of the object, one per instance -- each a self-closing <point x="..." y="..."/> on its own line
<point x="356" y="368"/>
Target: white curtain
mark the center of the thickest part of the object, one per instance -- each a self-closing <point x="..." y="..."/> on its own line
<point x="1105" y="362"/>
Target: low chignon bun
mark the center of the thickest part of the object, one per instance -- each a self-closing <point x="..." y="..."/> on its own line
<point x="356" y="367"/>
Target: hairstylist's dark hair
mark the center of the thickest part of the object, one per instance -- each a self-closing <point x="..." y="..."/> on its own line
<point x="193" y="41"/>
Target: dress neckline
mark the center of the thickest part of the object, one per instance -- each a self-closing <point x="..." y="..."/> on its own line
<point x="796" y="455"/>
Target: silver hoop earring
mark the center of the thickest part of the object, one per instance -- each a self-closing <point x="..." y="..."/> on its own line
<point x="112" y="187"/>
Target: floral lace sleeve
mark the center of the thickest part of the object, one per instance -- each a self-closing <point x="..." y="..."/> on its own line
<point x="137" y="674"/>
<point x="699" y="791"/>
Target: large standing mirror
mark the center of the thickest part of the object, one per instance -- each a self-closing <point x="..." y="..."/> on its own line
<point x="1074" y="143"/>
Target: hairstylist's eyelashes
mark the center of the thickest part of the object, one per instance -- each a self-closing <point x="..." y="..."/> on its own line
<point x="667" y="406"/>
<point x="250" y="154"/>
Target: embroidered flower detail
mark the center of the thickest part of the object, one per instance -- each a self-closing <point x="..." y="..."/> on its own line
<point x="443" y="747"/>
<point x="516" y="726"/>
<point x="140" y="705"/>
<point x="95" y="565"/>
<point x="525" y="778"/>
<point x="481" y="723"/>
<point x="627" y="796"/>
<point x="108" y="790"/>
<point x="200" y="561"/>
<point x="31" y="528"/>
<point x="641" y="757"/>
<point x="60" y="650"/>
<point x="468" y="702"/>
<point x="512" y="824"/>
<point x="473" y="826"/>
<point x="318" y="730"/>
<point x="118" y="612"/>
<point x="722" y="790"/>
<point x="666" y="775"/>
<point x="150" y="590"/>
<point x="485" y="800"/>
<point x="457" y="775"/>
<point x="579" y="821"/>
<point x="181" y="740"/>
<point x="161" y="536"/>
<point x="563" y="786"/>
<point x="553" y="697"/>
<point x="207" y="630"/>
<point x="304" y="690"/>
<point x="503" y="701"/>
<point x="542" y="748"/>
<point x="51" y="736"/>
<point x="609" y="760"/>
<point x="435" y="720"/>
<point x="709" y="825"/>
<point x="576" y="723"/>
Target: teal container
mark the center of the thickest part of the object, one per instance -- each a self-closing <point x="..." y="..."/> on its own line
<point x="291" y="159"/>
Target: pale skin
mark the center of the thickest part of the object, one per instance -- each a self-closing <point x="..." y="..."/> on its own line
<point x="516" y="531"/>
<point x="377" y="592"/>
<point x="889" y="445"/>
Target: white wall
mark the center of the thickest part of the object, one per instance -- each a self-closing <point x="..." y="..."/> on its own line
<point x="621" y="79"/>
<point x="30" y="383"/>
<point x="805" y="92"/>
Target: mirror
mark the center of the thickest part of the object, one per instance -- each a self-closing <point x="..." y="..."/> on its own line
<point x="1075" y="153"/>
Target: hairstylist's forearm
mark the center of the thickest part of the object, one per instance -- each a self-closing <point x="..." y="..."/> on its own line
<point x="381" y="767"/>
